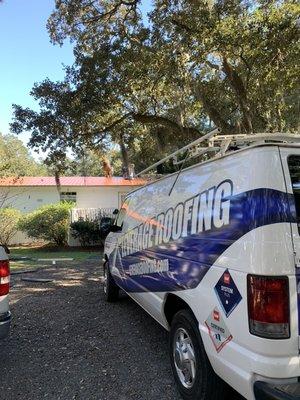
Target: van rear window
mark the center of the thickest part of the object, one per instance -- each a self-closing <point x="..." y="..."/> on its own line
<point x="294" y="168"/>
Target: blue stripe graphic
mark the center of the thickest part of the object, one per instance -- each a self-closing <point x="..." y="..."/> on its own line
<point x="190" y="258"/>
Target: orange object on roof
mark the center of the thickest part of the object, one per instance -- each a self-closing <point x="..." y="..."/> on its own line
<point x="71" y="181"/>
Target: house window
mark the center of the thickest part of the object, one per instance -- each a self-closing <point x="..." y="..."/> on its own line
<point x="68" y="196"/>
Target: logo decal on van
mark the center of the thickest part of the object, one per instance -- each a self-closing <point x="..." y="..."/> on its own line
<point x="191" y="257"/>
<point x="216" y="315"/>
<point x="226" y="279"/>
<point x="218" y="330"/>
<point x="149" y="267"/>
<point x="227" y="293"/>
<point x="206" y="211"/>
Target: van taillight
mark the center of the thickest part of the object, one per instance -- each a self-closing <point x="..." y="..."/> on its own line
<point x="4" y="277"/>
<point x="268" y="306"/>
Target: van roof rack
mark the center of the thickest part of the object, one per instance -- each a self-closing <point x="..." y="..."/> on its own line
<point x="218" y="145"/>
<point x="258" y="137"/>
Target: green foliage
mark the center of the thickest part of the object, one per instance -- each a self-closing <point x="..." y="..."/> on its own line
<point x="49" y="223"/>
<point x="152" y="86"/>
<point x="87" y="163"/>
<point x="15" y="159"/>
<point x="87" y="232"/>
<point x="9" y="219"/>
<point x="90" y="232"/>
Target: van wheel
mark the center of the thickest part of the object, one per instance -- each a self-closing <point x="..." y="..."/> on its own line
<point x="110" y="289"/>
<point x="192" y="371"/>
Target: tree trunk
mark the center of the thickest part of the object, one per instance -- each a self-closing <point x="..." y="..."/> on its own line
<point x="238" y="87"/>
<point x="125" y="157"/>
<point x="213" y="113"/>
<point x="57" y="181"/>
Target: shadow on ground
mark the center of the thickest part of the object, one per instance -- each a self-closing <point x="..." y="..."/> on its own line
<point x="67" y="343"/>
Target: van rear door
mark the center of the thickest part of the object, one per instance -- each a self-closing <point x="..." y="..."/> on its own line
<point x="291" y="167"/>
<point x="290" y="157"/>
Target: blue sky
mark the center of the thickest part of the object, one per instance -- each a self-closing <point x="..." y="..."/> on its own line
<point x="27" y="56"/>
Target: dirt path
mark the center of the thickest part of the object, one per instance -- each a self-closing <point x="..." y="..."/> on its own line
<point x="67" y="343"/>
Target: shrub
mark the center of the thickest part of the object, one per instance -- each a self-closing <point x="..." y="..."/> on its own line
<point x="9" y="218"/>
<point x="87" y="232"/>
<point x="50" y="223"/>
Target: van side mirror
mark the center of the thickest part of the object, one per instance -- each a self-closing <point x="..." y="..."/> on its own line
<point x="6" y="249"/>
<point x="105" y="223"/>
<point x="115" y="228"/>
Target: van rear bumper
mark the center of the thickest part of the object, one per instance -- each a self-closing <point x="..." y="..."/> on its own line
<point x="269" y="391"/>
<point x="5" y="320"/>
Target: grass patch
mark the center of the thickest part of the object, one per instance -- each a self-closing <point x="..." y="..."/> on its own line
<point x="48" y="252"/>
<point x="23" y="265"/>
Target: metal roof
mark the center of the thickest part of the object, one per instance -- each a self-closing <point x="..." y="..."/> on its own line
<point x="70" y="181"/>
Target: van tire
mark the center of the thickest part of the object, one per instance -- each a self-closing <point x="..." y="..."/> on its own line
<point x="205" y="385"/>
<point x="110" y="288"/>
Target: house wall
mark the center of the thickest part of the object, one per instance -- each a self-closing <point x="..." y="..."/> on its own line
<point x="28" y="199"/>
<point x="101" y="197"/>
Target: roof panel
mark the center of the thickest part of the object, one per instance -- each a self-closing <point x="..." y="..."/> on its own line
<point x="71" y="181"/>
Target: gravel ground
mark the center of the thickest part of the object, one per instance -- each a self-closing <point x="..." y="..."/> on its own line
<point x="66" y="342"/>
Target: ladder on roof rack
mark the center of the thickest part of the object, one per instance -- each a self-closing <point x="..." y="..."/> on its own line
<point x="218" y="145"/>
<point x="192" y="148"/>
<point x="258" y="137"/>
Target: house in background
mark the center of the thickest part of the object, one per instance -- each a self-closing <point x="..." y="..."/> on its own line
<point x="30" y="193"/>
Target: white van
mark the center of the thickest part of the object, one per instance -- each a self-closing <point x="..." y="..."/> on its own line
<point x="213" y="254"/>
<point x="5" y="315"/>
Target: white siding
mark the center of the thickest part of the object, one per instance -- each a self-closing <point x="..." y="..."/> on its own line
<point x="101" y="197"/>
<point x="27" y="199"/>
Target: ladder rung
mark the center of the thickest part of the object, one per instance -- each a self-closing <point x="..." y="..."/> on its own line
<point x="225" y="141"/>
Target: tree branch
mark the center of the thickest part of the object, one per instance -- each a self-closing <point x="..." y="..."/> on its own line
<point x="238" y="87"/>
<point x="160" y="120"/>
<point x="181" y="25"/>
<point x="155" y="120"/>
<point x="212" y="65"/>
<point x="110" y="13"/>
<point x="213" y="113"/>
<point x="115" y="123"/>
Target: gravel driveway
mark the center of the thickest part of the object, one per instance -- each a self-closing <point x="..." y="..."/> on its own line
<point x="67" y="343"/>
